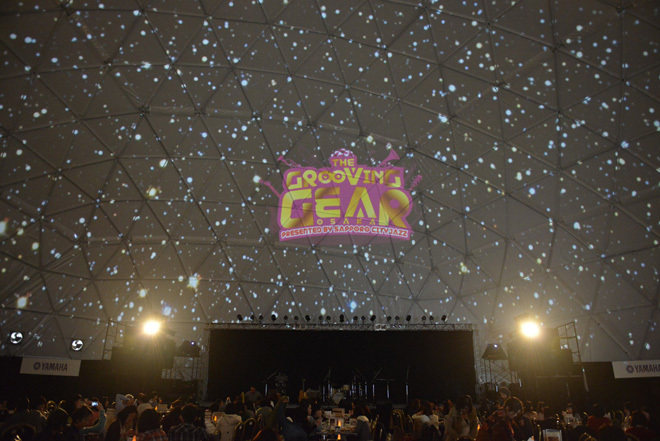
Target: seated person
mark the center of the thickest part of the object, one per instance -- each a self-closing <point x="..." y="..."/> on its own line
<point x="148" y="426"/>
<point x="227" y="422"/>
<point x="187" y="430"/>
<point x="363" y="426"/>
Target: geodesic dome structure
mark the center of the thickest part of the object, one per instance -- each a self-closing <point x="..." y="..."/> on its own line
<point x="136" y="136"/>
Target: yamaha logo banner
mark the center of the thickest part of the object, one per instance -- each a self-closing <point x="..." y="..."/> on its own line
<point x="61" y="367"/>
<point x="636" y="369"/>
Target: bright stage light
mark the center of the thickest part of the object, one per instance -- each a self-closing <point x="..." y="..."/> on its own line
<point x="151" y="327"/>
<point x="530" y="329"/>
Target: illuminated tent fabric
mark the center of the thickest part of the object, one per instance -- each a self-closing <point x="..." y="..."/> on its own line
<point x="133" y="132"/>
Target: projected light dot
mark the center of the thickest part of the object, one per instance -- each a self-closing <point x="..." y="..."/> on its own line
<point x="530" y="329"/>
<point x="22" y="302"/>
<point x="193" y="281"/>
<point x="152" y="192"/>
<point x="151" y="327"/>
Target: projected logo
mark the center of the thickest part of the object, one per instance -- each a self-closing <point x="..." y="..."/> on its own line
<point x="345" y="199"/>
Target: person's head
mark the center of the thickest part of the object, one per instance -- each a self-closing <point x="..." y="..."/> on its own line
<point x="505" y="393"/>
<point x="78" y="401"/>
<point x="426" y="408"/>
<point x="81" y="417"/>
<point x="304" y="409"/>
<point x="317" y="412"/>
<point x="57" y="420"/>
<point x="189" y="413"/>
<point x="129" y="401"/>
<point x="266" y="434"/>
<point x="359" y="409"/>
<point x="176" y="404"/>
<point x="586" y="437"/>
<point x="40" y="404"/>
<point x="638" y="419"/>
<point x="539" y="407"/>
<point x="528" y="406"/>
<point x="148" y="420"/>
<point x="126" y="416"/>
<point x="231" y="409"/>
<point x="597" y="410"/>
<point x="23" y="404"/>
<point x="628" y="408"/>
<point x="464" y="404"/>
<point x="611" y="433"/>
<point x="512" y="407"/>
<point x="253" y="389"/>
<point x="142" y="398"/>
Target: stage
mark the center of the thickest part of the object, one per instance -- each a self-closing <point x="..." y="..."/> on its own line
<point x="392" y="365"/>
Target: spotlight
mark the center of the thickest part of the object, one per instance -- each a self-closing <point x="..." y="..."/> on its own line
<point x="286" y="317"/>
<point x="239" y="317"/>
<point x="408" y="317"/>
<point x="355" y="318"/>
<point x="397" y="318"/>
<point x="295" y="317"/>
<point x="363" y="318"/>
<point x="341" y="318"/>
<point x="444" y="317"/>
<point x="373" y="318"/>
<point x="423" y="318"/>
<point x="320" y="318"/>
<point x="389" y="318"/>
<point x="261" y="317"/>
<point x="307" y="317"/>
<point x="15" y="337"/>
<point x="151" y="327"/>
<point x="328" y="318"/>
<point x="273" y="317"/>
<point x="252" y="317"/>
<point x="431" y="318"/>
<point x="77" y="345"/>
<point x="530" y="329"/>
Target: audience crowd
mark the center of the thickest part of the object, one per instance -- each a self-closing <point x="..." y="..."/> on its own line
<point x="252" y="417"/>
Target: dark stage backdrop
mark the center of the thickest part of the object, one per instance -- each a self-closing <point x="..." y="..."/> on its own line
<point x="440" y="364"/>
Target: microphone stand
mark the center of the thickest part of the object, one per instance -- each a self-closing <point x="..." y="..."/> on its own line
<point x="373" y="384"/>
<point x="325" y="394"/>
<point x="267" y="380"/>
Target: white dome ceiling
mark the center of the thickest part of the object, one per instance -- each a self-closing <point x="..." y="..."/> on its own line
<point x="132" y="132"/>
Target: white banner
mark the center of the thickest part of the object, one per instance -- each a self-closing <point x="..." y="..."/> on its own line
<point x="636" y="369"/>
<point x="62" y="367"/>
